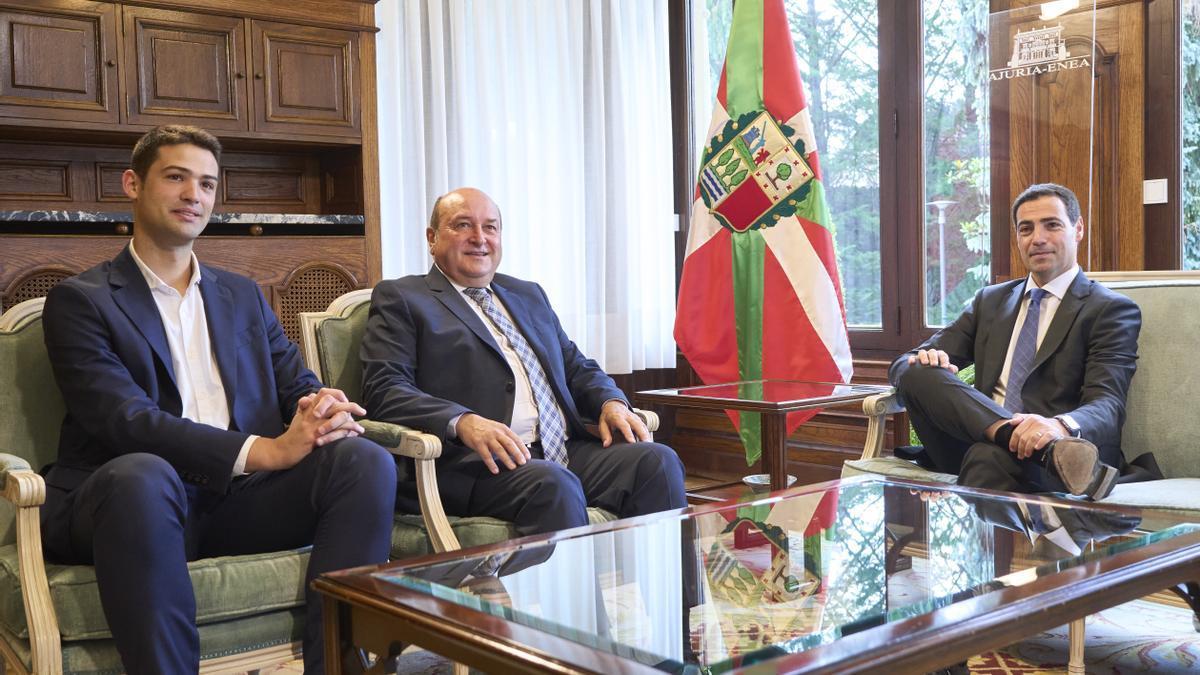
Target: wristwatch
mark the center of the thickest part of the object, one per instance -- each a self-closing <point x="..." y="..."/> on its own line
<point x="1071" y="425"/>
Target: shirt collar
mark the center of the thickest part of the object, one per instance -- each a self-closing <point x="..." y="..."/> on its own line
<point x="1057" y="286"/>
<point x="153" y="280"/>
<point x="458" y="287"/>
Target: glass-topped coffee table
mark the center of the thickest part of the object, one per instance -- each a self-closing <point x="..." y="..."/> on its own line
<point x="847" y="576"/>
<point x="774" y="400"/>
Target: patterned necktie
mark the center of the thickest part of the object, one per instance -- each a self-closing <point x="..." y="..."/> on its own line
<point x="1023" y="353"/>
<point x="552" y="428"/>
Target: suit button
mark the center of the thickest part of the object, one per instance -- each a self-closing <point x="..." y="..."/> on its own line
<point x="509" y="386"/>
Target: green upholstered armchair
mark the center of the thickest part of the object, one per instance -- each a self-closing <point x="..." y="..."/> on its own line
<point x="1160" y="411"/>
<point x="330" y="341"/>
<point x="250" y="609"/>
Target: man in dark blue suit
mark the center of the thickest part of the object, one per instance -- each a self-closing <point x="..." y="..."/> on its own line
<point x="178" y="382"/>
<point x="480" y="360"/>
<point x="1054" y="353"/>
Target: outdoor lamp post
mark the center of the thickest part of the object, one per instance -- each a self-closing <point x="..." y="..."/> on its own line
<point x="941" y="205"/>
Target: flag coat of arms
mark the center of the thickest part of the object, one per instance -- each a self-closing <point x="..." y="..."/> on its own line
<point x="760" y="297"/>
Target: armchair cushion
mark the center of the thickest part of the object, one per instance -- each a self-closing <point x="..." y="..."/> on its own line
<point x="894" y="467"/>
<point x="217" y="640"/>
<point x="226" y="588"/>
<point x="1178" y="497"/>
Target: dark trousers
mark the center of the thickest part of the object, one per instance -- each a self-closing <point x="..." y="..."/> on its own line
<point x="952" y="419"/>
<point x="139" y="525"/>
<point x="628" y="479"/>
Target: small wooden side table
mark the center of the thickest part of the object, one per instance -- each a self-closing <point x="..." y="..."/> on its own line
<point x="773" y="399"/>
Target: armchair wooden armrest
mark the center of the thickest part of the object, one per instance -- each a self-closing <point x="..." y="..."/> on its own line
<point x="423" y="449"/>
<point x="649" y="417"/>
<point x="877" y="408"/>
<point x="27" y="491"/>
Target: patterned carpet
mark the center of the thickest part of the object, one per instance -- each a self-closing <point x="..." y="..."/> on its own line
<point x="1137" y="637"/>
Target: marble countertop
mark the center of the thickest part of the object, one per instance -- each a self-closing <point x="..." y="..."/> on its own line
<point x="235" y="218"/>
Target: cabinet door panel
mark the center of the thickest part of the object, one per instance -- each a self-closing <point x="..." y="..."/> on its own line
<point x="185" y="68"/>
<point x="58" y="61"/>
<point x="304" y="79"/>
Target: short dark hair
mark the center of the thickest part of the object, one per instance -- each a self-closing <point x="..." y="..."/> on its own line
<point x="1048" y="190"/>
<point x="146" y="150"/>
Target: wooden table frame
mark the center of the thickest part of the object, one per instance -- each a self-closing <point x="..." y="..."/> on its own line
<point x="370" y="613"/>
<point x="774" y="416"/>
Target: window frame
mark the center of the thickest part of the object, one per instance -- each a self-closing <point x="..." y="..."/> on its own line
<point x="902" y="189"/>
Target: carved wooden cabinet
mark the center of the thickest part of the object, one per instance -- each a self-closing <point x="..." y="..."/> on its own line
<point x="184" y="68"/>
<point x="288" y="87"/>
<point x="304" y="79"/>
<point x="59" y="61"/>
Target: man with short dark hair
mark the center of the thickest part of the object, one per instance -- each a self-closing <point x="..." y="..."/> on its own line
<point x="480" y="360"/>
<point x="1054" y="353"/>
<point x="193" y="429"/>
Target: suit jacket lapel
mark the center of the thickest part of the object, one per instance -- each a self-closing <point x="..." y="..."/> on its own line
<point x="449" y="296"/>
<point x="1064" y="316"/>
<point x="998" y="339"/>
<point x="524" y="322"/>
<point x="218" y="310"/>
<point x="132" y="295"/>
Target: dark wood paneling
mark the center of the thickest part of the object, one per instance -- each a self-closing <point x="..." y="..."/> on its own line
<point x="341" y="181"/>
<point x="185" y="68"/>
<point x="304" y="79"/>
<point x="270" y="182"/>
<point x="108" y="182"/>
<point x="1164" y="222"/>
<point x="22" y="180"/>
<point x="89" y="178"/>
<point x="59" y="61"/>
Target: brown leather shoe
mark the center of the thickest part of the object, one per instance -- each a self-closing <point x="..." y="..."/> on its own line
<point x="1077" y="464"/>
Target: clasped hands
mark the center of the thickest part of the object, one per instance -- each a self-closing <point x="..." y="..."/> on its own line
<point x="1030" y="432"/>
<point x="321" y="417"/>
<point x="493" y="440"/>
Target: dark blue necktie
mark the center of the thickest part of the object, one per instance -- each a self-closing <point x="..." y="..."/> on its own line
<point x="1023" y="353"/>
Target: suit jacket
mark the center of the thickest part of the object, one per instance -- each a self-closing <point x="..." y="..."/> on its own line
<point x="1083" y="366"/>
<point x="428" y="357"/>
<point x="108" y="349"/>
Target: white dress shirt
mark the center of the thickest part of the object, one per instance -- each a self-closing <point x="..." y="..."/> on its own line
<point x="196" y="375"/>
<point x="524" y="415"/>
<point x="1055" y="290"/>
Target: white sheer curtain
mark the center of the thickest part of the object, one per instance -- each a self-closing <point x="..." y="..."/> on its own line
<point x="560" y="110"/>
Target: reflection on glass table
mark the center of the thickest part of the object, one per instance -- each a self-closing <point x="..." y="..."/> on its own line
<point x="785" y="579"/>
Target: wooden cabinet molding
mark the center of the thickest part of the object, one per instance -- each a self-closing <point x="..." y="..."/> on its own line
<point x="68" y="62"/>
<point x="60" y="61"/>
<point x="182" y="67"/>
<point x="305" y="79"/>
<point x="344" y="14"/>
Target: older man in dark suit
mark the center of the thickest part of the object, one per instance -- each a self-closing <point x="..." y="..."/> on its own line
<point x="480" y="360"/>
<point x="1054" y="353"/>
<point x="178" y="382"/>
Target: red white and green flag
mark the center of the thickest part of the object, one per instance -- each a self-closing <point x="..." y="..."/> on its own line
<point x="761" y="296"/>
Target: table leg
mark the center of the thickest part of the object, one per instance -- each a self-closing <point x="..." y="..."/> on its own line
<point x="333" y="636"/>
<point x="1076" y="631"/>
<point x="774" y="448"/>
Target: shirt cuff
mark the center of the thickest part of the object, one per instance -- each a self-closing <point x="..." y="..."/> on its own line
<point x="452" y="427"/>
<point x="239" y="466"/>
